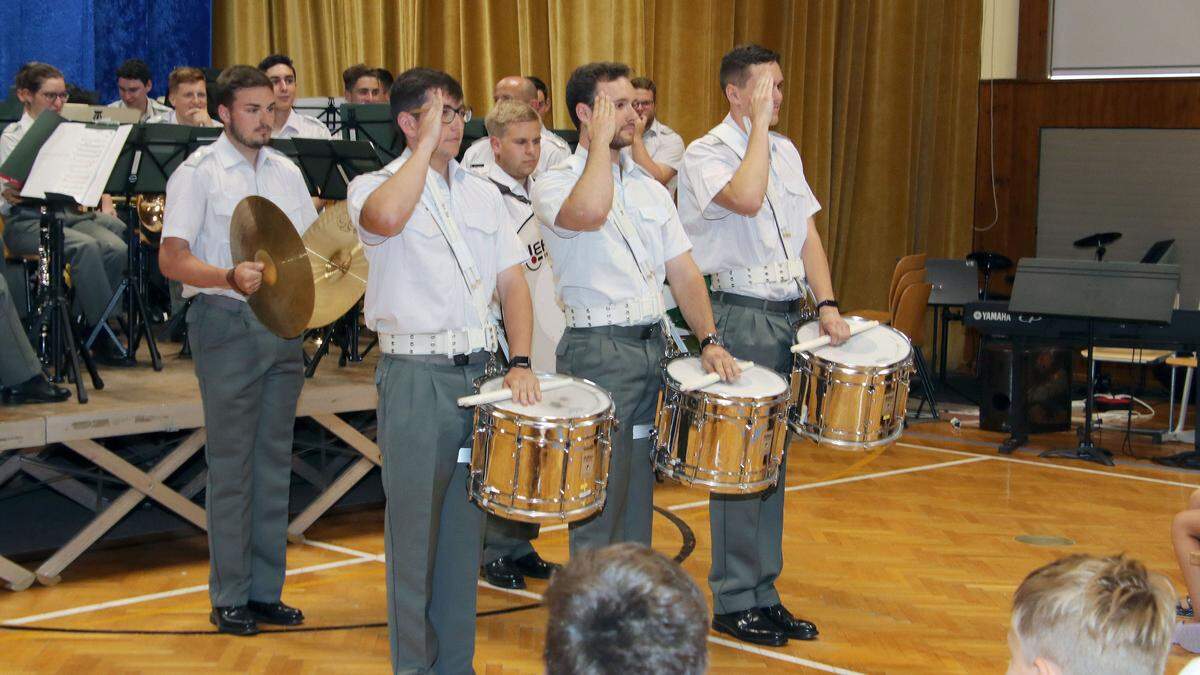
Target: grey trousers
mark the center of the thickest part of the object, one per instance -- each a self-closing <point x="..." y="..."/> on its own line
<point x="18" y="361"/>
<point x="503" y="538"/>
<point x="433" y="533"/>
<point x="629" y="369"/>
<point x="250" y="380"/>
<point x="747" y="530"/>
<point x="94" y="246"/>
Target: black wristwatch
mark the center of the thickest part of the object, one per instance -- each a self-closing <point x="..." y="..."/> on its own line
<point x="712" y="339"/>
<point x="828" y="303"/>
<point x="519" y="362"/>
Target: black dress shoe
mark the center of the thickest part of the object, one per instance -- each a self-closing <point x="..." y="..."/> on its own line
<point x="532" y="565"/>
<point x="750" y="626"/>
<point x="789" y="625"/>
<point x="502" y="573"/>
<point x="233" y="620"/>
<point x="36" y="389"/>
<point x="275" y="613"/>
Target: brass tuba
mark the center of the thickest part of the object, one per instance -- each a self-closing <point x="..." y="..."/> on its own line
<point x="150" y="210"/>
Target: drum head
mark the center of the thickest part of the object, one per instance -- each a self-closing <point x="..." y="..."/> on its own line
<point x="578" y="399"/>
<point x="757" y="382"/>
<point x="875" y="348"/>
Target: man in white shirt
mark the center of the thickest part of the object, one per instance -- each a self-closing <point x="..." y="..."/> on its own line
<point x="543" y="104"/>
<point x="93" y="241"/>
<point x="440" y="245"/>
<point x="614" y="236"/>
<point x="134" y="85"/>
<point x="656" y="147"/>
<point x="362" y="84"/>
<point x="187" y="91"/>
<point x="479" y="156"/>
<point x="288" y="123"/>
<point x="514" y="130"/>
<point x="748" y="209"/>
<point x="250" y="378"/>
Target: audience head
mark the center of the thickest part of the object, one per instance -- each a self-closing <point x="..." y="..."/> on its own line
<point x="515" y="132"/>
<point x="1091" y="616"/>
<point x="133" y="83"/>
<point x="515" y="88"/>
<point x="40" y="86"/>
<point x="411" y="92"/>
<point x="362" y="84"/>
<point x="282" y="73"/>
<point x="187" y="90"/>
<point x="386" y="79"/>
<point x="246" y="105"/>
<point x="741" y="69"/>
<point x="645" y="96"/>
<point x="542" y="106"/>
<point x="625" y="609"/>
<point x="612" y="80"/>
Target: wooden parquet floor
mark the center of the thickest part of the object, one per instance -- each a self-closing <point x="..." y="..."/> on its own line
<point x="907" y="562"/>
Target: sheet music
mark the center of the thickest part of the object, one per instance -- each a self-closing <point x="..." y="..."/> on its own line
<point x="76" y="160"/>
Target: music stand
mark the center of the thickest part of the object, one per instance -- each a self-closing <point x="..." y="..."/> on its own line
<point x="955" y="283"/>
<point x="1092" y="290"/>
<point x="373" y="122"/>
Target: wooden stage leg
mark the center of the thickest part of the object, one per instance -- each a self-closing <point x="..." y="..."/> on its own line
<point x="17" y="578"/>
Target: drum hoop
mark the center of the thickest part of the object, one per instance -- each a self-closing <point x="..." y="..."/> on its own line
<point x="872" y="371"/>
<point x="674" y="386"/>
<point x="490" y="408"/>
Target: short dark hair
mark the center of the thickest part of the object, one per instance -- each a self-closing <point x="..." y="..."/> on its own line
<point x="235" y="78"/>
<point x="134" y="69"/>
<point x="276" y="59"/>
<point x="408" y="91"/>
<point x="385" y="78"/>
<point x="735" y="66"/>
<point x="539" y="85"/>
<point x="581" y="88"/>
<point x="644" y="83"/>
<point x="625" y="608"/>
<point x="34" y="74"/>
<point x="352" y="74"/>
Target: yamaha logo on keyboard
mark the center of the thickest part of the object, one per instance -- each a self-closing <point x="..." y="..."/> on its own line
<point x="992" y="316"/>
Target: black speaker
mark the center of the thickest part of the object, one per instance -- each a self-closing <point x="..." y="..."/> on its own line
<point x="1047" y="381"/>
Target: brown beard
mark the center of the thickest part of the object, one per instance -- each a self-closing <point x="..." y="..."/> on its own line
<point x="237" y="136"/>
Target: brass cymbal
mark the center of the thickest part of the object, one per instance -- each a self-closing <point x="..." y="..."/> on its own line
<point x="339" y="266"/>
<point x="261" y="232"/>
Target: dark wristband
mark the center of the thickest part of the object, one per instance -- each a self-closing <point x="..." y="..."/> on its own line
<point x="827" y="303"/>
<point x="519" y="362"/>
<point x="229" y="279"/>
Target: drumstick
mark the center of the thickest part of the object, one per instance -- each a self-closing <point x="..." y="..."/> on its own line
<point x="816" y="343"/>
<point x="505" y="394"/>
<point x="711" y="378"/>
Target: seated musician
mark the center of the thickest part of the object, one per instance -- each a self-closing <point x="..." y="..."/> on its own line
<point x="187" y="91"/>
<point x="361" y="84"/>
<point x="134" y="85"/>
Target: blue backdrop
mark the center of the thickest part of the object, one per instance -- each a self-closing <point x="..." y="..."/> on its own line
<point x="88" y="39"/>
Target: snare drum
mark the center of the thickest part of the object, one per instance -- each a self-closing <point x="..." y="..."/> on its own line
<point x="852" y="396"/>
<point x="727" y="437"/>
<point x="546" y="462"/>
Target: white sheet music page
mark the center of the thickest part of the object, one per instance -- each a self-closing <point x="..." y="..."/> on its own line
<point x="76" y="161"/>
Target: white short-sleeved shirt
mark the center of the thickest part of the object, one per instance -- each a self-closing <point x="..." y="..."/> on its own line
<point x="415" y="285"/>
<point x="204" y="190"/>
<point x="664" y="145"/>
<point x="12" y="135"/>
<point x="479" y="156"/>
<point x="725" y="240"/>
<point x="302" y="126"/>
<point x="593" y="269"/>
<point x="153" y="108"/>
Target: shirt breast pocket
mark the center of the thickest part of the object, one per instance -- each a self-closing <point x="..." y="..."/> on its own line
<point x="654" y="217"/>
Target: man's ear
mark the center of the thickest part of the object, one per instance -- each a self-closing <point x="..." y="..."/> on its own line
<point x="584" y="112"/>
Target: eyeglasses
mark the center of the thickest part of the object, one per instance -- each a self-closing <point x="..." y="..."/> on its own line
<point x="50" y="96"/>
<point x="642" y="104"/>
<point x="448" y="114"/>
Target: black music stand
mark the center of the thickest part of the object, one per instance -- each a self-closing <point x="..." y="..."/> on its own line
<point x="373" y="122"/>
<point x="955" y="283"/>
<point x="1091" y="290"/>
<point x="328" y="167"/>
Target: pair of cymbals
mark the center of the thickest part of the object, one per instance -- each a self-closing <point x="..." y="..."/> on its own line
<point x="307" y="282"/>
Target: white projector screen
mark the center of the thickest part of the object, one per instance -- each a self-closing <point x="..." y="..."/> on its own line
<point x="1096" y="39"/>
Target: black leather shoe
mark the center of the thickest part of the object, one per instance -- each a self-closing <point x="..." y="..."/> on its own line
<point x="233" y="620"/>
<point x="503" y="573"/>
<point x="275" y="613"/>
<point x="789" y="625"/>
<point x="36" y="389"/>
<point x="532" y="565"/>
<point x="750" y="626"/>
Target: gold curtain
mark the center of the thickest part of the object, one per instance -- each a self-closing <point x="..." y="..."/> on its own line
<point x="879" y="94"/>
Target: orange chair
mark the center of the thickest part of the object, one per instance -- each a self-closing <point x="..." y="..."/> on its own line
<point x="902" y="275"/>
<point x="910" y="320"/>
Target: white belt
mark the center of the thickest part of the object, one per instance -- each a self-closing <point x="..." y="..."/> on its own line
<point x="449" y="342"/>
<point x="771" y="273"/>
<point x="627" y="312"/>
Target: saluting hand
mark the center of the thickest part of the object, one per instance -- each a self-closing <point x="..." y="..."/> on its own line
<point x="429" y="133"/>
<point x="525" y="386"/>
<point x="715" y="359"/>
<point x="762" y="101"/>
<point x="603" y="124"/>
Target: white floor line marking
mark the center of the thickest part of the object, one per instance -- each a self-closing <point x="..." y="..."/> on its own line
<point x="1049" y="465"/>
<point x="713" y="639"/>
<point x="165" y="594"/>
<point x="338" y="549"/>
